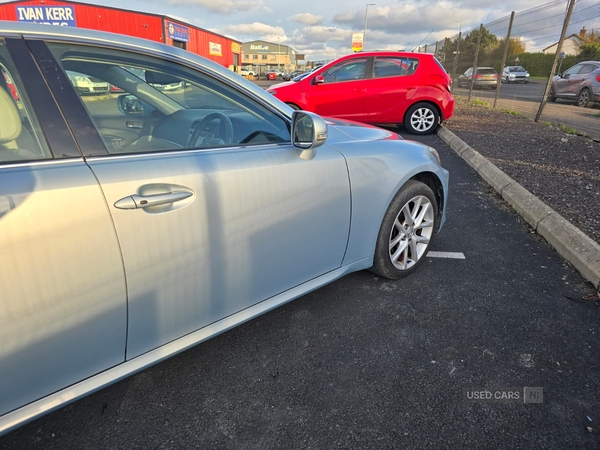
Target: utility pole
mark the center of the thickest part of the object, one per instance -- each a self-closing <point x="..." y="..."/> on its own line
<point x="556" y="56"/>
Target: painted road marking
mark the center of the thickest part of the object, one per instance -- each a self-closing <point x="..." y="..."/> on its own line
<point x="451" y="255"/>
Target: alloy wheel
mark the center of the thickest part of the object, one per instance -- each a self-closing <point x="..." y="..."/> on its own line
<point x="411" y="232"/>
<point x="583" y="98"/>
<point x="422" y="119"/>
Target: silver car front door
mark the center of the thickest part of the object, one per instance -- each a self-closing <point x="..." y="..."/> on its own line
<point x="213" y="222"/>
<point x="248" y="224"/>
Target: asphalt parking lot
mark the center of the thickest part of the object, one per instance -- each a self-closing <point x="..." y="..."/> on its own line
<point x="367" y="363"/>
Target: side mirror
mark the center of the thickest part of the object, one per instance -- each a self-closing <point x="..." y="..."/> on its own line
<point x="309" y="131"/>
<point x="318" y="80"/>
<point x="130" y="104"/>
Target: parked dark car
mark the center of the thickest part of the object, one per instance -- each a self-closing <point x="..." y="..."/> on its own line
<point x="580" y="84"/>
<point x="483" y="77"/>
<point x="292" y="75"/>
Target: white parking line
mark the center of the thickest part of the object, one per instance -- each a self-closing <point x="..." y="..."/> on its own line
<point x="451" y="255"/>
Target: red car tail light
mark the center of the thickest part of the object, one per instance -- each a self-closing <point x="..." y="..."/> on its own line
<point x="477" y="77"/>
<point x="597" y="77"/>
<point x="441" y="79"/>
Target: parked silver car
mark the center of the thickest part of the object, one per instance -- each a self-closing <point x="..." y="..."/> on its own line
<point x="515" y="74"/>
<point x="483" y="77"/>
<point x="580" y="84"/>
<point x="136" y="226"/>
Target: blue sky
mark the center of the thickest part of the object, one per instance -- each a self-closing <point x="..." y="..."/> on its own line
<point x="322" y="29"/>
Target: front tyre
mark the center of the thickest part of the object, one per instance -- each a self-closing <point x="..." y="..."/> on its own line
<point x="421" y="118"/>
<point x="406" y="232"/>
<point x="584" y="98"/>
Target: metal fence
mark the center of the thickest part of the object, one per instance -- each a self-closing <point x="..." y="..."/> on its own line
<point x="545" y="40"/>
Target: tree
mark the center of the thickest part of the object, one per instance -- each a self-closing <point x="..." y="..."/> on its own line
<point x="590" y="51"/>
<point x="488" y="40"/>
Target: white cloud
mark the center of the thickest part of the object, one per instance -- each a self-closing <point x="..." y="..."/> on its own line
<point x="221" y="6"/>
<point x="307" y="19"/>
<point x="254" y="29"/>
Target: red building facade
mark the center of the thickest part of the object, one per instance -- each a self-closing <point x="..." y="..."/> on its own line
<point x="222" y="50"/>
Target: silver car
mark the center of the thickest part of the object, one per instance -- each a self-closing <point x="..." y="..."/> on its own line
<point x="580" y="84"/>
<point x="133" y="227"/>
<point x="515" y="74"/>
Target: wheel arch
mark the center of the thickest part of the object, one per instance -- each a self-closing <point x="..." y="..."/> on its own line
<point x="435" y="184"/>
<point x="429" y="102"/>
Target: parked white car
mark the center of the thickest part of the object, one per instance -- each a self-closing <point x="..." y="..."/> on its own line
<point x="88" y="85"/>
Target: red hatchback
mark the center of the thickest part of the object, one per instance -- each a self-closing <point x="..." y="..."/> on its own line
<point x="377" y="88"/>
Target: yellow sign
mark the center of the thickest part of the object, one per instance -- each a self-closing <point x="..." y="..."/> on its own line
<point x="235" y="47"/>
<point x="357" y="42"/>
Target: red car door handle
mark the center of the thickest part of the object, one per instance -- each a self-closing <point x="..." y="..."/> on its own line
<point x="145" y="201"/>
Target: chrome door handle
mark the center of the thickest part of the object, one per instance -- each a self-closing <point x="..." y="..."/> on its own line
<point x="145" y="201"/>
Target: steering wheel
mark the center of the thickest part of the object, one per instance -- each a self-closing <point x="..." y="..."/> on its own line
<point x="213" y="139"/>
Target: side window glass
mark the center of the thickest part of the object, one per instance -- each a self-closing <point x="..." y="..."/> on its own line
<point x="21" y="138"/>
<point x="394" y="67"/>
<point x="573" y="70"/>
<point x="140" y="103"/>
<point x="587" y="68"/>
<point x="350" y="70"/>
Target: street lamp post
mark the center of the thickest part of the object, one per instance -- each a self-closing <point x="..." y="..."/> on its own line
<point x="278" y="52"/>
<point x="365" y="27"/>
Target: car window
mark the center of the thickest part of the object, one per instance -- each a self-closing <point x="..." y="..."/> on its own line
<point x="485" y="71"/>
<point x="394" y="66"/>
<point x="140" y="103"/>
<point x="586" y="68"/>
<point x="21" y="138"/>
<point x="573" y="70"/>
<point x="348" y="70"/>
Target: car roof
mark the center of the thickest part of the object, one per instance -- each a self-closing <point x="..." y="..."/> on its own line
<point x="390" y="53"/>
<point x="127" y="43"/>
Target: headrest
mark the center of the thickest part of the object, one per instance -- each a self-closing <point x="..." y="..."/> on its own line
<point x="10" y="119"/>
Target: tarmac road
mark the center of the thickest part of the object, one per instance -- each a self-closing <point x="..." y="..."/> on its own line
<point x="367" y="363"/>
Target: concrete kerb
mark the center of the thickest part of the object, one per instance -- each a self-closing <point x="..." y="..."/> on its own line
<point x="568" y="240"/>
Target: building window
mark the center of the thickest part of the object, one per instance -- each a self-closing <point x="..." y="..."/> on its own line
<point x="246" y="56"/>
<point x="264" y="56"/>
<point x="254" y="56"/>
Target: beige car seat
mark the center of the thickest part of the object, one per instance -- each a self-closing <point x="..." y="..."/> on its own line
<point x="11" y="130"/>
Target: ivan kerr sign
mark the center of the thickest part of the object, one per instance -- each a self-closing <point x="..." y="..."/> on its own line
<point x="51" y="15"/>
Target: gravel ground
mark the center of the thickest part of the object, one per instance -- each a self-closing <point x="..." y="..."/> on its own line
<point x="561" y="169"/>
